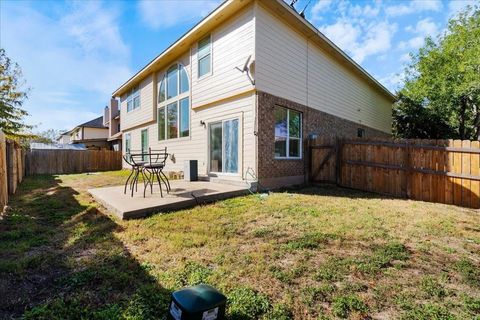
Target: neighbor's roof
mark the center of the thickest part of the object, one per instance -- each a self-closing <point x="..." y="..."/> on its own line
<point x="95" y="123"/>
<point x="230" y="7"/>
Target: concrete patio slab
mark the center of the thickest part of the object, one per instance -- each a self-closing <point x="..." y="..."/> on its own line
<point x="184" y="194"/>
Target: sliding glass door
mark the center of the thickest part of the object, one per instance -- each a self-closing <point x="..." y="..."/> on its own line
<point x="223" y="151"/>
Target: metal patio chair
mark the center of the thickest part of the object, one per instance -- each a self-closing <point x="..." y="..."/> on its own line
<point x="136" y="162"/>
<point x="154" y="169"/>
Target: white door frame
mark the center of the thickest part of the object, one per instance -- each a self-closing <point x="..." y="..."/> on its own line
<point x="239" y="146"/>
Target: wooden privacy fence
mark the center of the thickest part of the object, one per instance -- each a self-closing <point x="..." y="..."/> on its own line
<point x="12" y="168"/>
<point x="444" y="171"/>
<point x="72" y="161"/>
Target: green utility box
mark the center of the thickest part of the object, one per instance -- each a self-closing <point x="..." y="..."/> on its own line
<point x="201" y="302"/>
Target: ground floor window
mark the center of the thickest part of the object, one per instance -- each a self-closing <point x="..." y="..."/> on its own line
<point x="128" y="142"/>
<point x="288" y="133"/>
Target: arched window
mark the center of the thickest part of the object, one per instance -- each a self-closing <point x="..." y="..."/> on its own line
<point x="173" y="111"/>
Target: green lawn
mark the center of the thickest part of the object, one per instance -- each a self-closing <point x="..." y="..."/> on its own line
<point x="316" y="253"/>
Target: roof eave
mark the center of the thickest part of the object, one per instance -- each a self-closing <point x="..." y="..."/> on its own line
<point x="222" y="12"/>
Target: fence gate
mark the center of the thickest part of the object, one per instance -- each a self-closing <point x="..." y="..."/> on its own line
<point x="323" y="158"/>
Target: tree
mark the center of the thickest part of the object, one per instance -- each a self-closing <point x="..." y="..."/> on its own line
<point x="442" y="84"/>
<point x="12" y="98"/>
<point x="48" y="136"/>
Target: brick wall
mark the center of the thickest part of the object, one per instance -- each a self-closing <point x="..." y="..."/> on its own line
<point x="313" y="121"/>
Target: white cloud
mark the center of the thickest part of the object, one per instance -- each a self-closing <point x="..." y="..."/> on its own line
<point x="424" y="28"/>
<point x="319" y="8"/>
<point x="72" y="61"/>
<point x="414" y="6"/>
<point x="360" y="40"/>
<point x="342" y="33"/>
<point x="392" y="81"/>
<point x="405" y="58"/>
<point x="456" y="6"/>
<point x="165" y="14"/>
<point x="377" y="40"/>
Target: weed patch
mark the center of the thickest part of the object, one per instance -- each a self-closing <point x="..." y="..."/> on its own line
<point x="312" y="295"/>
<point x="469" y="272"/>
<point x="432" y="287"/>
<point x="344" y="305"/>
<point x="332" y="270"/>
<point x="245" y="303"/>
<point x="382" y="257"/>
<point x="311" y="240"/>
<point x="428" y="312"/>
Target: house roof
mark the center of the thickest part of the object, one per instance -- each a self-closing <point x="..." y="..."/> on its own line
<point x="228" y="8"/>
<point x="95" y="123"/>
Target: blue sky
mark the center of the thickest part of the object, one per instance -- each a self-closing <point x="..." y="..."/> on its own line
<point x="75" y="54"/>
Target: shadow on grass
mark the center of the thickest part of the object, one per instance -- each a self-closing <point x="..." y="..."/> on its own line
<point x="337" y="191"/>
<point x="60" y="259"/>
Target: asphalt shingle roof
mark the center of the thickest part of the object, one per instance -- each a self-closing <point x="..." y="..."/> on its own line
<point x="95" y="123"/>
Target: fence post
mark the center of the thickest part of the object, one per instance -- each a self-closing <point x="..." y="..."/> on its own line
<point x="3" y="172"/>
<point x="338" y="161"/>
<point x="408" y="171"/>
<point x="310" y="161"/>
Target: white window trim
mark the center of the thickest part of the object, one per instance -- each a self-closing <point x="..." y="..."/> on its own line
<point x="240" y="141"/>
<point x="131" y="96"/>
<point x="211" y="60"/>
<point x="287" y="151"/>
<point x="177" y="99"/>
<point x="128" y="137"/>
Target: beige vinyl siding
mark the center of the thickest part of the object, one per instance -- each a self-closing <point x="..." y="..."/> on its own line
<point x="291" y="67"/>
<point x="232" y="44"/>
<point x="144" y="113"/>
<point x="195" y="147"/>
<point x="95" y="133"/>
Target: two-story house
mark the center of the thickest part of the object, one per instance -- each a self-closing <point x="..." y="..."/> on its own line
<point x="244" y="89"/>
<point x="92" y="134"/>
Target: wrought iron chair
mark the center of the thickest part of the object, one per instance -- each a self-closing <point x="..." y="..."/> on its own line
<point x="154" y="169"/>
<point x="135" y="160"/>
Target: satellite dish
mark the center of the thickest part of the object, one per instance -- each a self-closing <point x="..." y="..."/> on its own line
<point x="247" y="68"/>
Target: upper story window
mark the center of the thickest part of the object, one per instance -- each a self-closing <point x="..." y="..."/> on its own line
<point x="173" y="112"/>
<point x="204" y="56"/>
<point x="133" y="99"/>
<point x="288" y="133"/>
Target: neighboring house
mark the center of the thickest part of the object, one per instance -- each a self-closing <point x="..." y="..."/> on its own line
<point x="64" y="138"/>
<point x="93" y="134"/>
<point x="244" y="89"/>
<point x="111" y="119"/>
